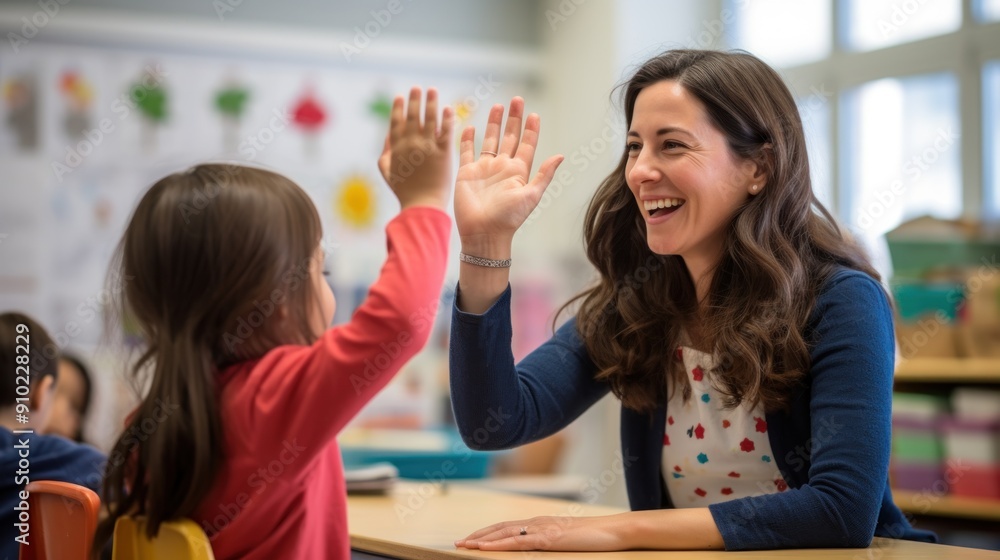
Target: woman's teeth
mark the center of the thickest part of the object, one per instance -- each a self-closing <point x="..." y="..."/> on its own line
<point x="662" y="203"/>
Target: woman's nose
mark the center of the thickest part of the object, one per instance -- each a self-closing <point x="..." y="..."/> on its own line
<point x="644" y="170"/>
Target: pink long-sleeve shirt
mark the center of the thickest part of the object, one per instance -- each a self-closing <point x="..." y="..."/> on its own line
<point x="280" y="492"/>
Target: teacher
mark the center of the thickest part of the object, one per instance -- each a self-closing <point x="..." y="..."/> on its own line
<point x="746" y="335"/>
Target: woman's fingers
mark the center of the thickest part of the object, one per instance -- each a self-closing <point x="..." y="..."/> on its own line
<point x="467" y="146"/>
<point x="512" y="132"/>
<point x="526" y="148"/>
<point x="491" y="142"/>
<point x="430" y="114"/>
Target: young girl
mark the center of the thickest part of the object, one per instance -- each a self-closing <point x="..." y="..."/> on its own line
<point x="747" y="337"/>
<point x="223" y="273"/>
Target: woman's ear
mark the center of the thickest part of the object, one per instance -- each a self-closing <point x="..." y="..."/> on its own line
<point x="760" y="169"/>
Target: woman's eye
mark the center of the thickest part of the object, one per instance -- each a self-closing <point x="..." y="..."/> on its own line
<point x="670" y="145"/>
<point x="632" y="147"/>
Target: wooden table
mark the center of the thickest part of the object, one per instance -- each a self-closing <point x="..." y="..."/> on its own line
<point x="422" y="521"/>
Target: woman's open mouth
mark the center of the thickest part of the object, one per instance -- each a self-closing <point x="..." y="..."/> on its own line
<point x="662" y="207"/>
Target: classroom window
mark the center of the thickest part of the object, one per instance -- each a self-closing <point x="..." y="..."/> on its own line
<point x="874" y="24"/>
<point x="804" y="29"/>
<point x="991" y="134"/>
<point x="815" y="112"/>
<point x="901" y="148"/>
<point x="987" y="10"/>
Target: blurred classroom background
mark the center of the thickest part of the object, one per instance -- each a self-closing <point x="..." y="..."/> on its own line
<point x="900" y="99"/>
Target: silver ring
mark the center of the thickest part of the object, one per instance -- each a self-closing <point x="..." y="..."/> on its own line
<point x="524" y="531"/>
<point x="491" y="153"/>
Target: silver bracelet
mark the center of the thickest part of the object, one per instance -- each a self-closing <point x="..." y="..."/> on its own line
<point x="480" y="261"/>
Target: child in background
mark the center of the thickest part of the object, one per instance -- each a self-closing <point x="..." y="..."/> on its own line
<point x="249" y="387"/>
<point x="51" y="457"/>
<point x="71" y="401"/>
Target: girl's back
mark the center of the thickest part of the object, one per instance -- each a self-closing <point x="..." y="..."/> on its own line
<point x="222" y="273"/>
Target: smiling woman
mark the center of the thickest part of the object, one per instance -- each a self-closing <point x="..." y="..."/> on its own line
<point x="733" y="318"/>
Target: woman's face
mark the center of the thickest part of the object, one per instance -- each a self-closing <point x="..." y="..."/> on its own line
<point x="686" y="181"/>
<point x="67" y="403"/>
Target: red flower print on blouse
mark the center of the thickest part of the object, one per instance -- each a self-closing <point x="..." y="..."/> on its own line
<point x="666" y="439"/>
<point x="734" y="474"/>
<point x="670" y="420"/>
<point x="700" y="492"/>
<point x="680" y="353"/>
<point x="726" y="423"/>
<point x="747" y="445"/>
<point x="698" y="373"/>
<point x="726" y="491"/>
<point x="699" y="432"/>
<point x="781" y="484"/>
<point x="761" y="424"/>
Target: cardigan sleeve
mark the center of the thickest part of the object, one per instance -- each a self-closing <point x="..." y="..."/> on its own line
<point x="499" y="405"/>
<point x="850" y="421"/>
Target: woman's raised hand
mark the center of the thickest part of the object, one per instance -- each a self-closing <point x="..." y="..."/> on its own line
<point x="493" y="193"/>
<point x="416" y="159"/>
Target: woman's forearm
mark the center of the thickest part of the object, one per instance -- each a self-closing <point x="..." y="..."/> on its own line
<point x="480" y="286"/>
<point x="672" y="529"/>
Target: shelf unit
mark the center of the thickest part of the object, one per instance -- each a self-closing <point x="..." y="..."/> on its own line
<point x="949" y="370"/>
<point x="927" y="503"/>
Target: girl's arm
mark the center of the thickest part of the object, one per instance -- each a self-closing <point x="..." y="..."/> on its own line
<point x="302" y="396"/>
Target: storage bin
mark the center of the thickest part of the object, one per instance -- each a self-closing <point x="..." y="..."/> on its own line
<point x="916" y="441"/>
<point x="918" y="478"/>
<point x="449" y="459"/>
<point x="975" y="481"/>
<point x="973" y="442"/>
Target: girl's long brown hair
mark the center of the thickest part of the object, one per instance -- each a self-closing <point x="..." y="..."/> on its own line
<point x="207" y="259"/>
<point x="780" y="247"/>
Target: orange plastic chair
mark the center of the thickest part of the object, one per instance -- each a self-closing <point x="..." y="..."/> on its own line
<point x="62" y="523"/>
<point x="182" y="539"/>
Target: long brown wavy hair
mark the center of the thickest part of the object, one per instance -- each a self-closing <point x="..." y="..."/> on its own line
<point x="781" y="245"/>
<point x="207" y="259"/>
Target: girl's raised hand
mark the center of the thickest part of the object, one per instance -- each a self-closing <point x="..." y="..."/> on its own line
<point x="493" y="193"/>
<point x="416" y="160"/>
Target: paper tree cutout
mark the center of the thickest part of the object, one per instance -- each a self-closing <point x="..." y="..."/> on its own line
<point x="381" y="107"/>
<point x="309" y="115"/>
<point x="21" y="98"/>
<point x="150" y="98"/>
<point x="356" y="202"/>
<point x="231" y="103"/>
<point x="79" y="96"/>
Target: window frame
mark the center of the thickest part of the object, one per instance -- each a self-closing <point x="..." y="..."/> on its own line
<point x="974" y="44"/>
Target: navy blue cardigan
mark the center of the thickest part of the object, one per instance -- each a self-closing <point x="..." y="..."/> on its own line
<point x="832" y="446"/>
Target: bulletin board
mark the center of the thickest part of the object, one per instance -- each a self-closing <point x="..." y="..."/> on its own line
<point x="91" y="114"/>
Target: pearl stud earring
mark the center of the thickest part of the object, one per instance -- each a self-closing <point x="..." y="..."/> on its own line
<point x="754" y="188"/>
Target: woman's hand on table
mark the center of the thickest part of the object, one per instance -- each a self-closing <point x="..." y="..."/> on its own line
<point x="561" y="533"/>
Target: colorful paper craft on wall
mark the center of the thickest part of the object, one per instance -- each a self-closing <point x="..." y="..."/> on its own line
<point x="309" y="116"/>
<point x="231" y="103"/>
<point x="150" y="97"/>
<point x="381" y="107"/>
<point x="79" y="96"/>
<point x="20" y="95"/>
<point x="355" y="202"/>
